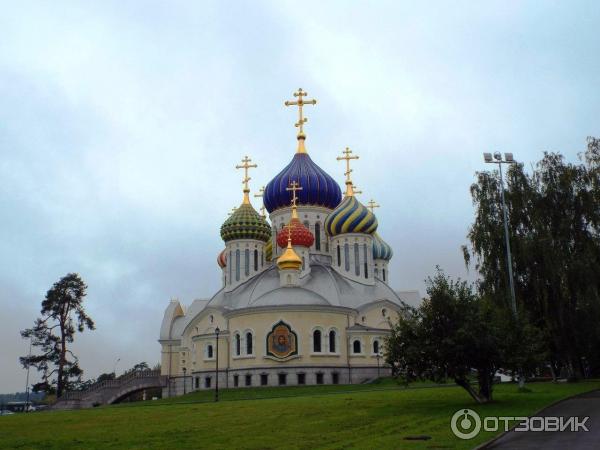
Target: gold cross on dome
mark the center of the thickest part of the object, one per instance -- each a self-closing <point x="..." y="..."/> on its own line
<point x="300" y="103"/>
<point x="246" y="165"/>
<point x="372" y="205"/>
<point x="261" y="193"/>
<point x="355" y="189"/>
<point x="294" y="186"/>
<point x="347" y="157"/>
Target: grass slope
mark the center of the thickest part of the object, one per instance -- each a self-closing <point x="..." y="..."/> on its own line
<point x="310" y="419"/>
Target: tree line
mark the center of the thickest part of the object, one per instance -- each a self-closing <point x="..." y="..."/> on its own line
<point x="467" y="332"/>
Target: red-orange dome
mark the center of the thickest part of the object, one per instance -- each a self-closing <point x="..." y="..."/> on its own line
<point x="300" y="234"/>
<point x="222" y="259"/>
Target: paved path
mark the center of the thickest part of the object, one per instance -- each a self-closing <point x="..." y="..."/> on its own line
<point x="583" y="405"/>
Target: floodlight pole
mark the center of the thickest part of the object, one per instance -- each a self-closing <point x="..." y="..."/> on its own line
<point x="511" y="282"/>
<point x="508" y="160"/>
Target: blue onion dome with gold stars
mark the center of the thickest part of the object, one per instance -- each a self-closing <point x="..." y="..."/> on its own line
<point x="318" y="187"/>
<point x="245" y="222"/>
<point x="381" y="250"/>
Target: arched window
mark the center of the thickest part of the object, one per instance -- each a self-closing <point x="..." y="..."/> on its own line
<point x="289" y="279"/>
<point x="375" y="347"/>
<point x="383" y="312"/>
<point x="262" y="259"/>
<point x="255" y="260"/>
<point x="238" y="344"/>
<point x="229" y="264"/>
<point x="376" y="272"/>
<point x="317" y="341"/>
<point x="346" y="257"/>
<point x="356" y="261"/>
<point x="306" y="224"/>
<point x="303" y="266"/>
<point x="332" y="341"/>
<point x="366" y="265"/>
<point x="383" y="271"/>
<point x="356" y="346"/>
<point x="317" y="236"/>
<point x="209" y="351"/>
<point x="249" y="347"/>
<point x="339" y="255"/>
<point x="247" y="262"/>
<point x="211" y="318"/>
<point x="237" y="265"/>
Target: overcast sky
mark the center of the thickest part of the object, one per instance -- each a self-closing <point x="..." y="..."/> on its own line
<point x="121" y="124"/>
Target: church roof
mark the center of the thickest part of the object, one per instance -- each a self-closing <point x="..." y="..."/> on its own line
<point x="322" y="286"/>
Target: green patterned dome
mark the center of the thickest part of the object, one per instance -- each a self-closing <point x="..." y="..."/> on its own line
<point x="245" y="223"/>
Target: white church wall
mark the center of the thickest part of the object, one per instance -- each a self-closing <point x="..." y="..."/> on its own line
<point x="346" y="249"/>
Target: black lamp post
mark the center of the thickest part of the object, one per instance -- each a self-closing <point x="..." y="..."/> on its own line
<point x="184" y="371"/>
<point x="217" y="331"/>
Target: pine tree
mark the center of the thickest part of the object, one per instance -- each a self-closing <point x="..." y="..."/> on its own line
<point x="62" y="315"/>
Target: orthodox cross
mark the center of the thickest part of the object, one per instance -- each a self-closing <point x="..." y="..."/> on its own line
<point x="246" y="165"/>
<point x="294" y="186"/>
<point x="261" y="193"/>
<point x="372" y="205"/>
<point x="300" y="103"/>
<point x="347" y="157"/>
<point x="355" y="190"/>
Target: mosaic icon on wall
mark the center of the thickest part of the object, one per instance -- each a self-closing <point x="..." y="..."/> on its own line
<point x="282" y="341"/>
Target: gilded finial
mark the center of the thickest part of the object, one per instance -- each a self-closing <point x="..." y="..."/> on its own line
<point x="294" y="186"/>
<point x="347" y="157"/>
<point x="301" y="119"/>
<point x="246" y="165"/>
<point x="372" y="205"/>
<point x="261" y="193"/>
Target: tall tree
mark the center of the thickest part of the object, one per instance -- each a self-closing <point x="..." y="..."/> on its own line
<point x="62" y="315"/>
<point x="554" y="223"/>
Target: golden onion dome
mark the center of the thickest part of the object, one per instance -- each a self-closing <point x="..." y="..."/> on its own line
<point x="289" y="259"/>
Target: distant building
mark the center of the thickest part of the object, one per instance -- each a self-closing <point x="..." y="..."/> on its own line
<point x="305" y="298"/>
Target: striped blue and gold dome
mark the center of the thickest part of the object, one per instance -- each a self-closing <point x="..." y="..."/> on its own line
<point x="351" y="216"/>
<point x="381" y="250"/>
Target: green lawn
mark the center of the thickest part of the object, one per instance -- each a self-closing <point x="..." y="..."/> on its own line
<point x="309" y="417"/>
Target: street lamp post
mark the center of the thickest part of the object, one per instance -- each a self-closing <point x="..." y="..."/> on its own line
<point x="115" y="366"/>
<point x="217" y="367"/>
<point x="508" y="159"/>
<point x="184" y="372"/>
<point x="27" y="381"/>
